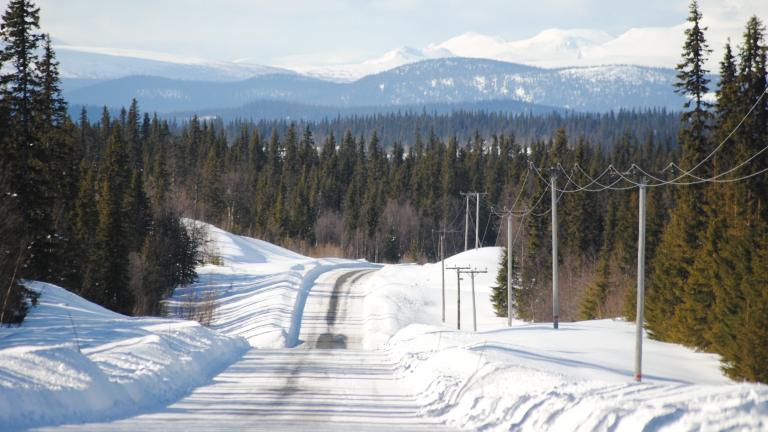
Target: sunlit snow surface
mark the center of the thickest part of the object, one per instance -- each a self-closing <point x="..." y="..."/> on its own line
<point x="371" y="353"/>
<point x="532" y="377"/>
<point x="73" y="361"/>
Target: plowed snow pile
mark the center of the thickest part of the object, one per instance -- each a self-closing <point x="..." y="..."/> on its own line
<point x="72" y="360"/>
<point x="532" y="377"/>
<point x="259" y="290"/>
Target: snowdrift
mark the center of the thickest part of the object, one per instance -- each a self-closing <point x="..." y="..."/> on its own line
<point x="260" y="290"/>
<point x="72" y="360"/>
<point x="400" y="295"/>
<point x="577" y="378"/>
<point x="532" y="377"/>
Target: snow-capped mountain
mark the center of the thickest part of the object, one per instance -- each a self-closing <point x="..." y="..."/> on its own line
<point x="553" y="47"/>
<point x="348" y="72"/>
<point x="439" y="81"/>
<point x="550" y="48"/>
<point x="596" y="88"/>
<point x="94" y="63"/>
<point x="649" y="46"/>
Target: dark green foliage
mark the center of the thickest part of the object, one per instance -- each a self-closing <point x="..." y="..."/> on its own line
<point x="138" y="213"/>
<point x="680" y="240"/>
<point x="593" y="302"/>
<point x="36" y="179"/>
<point x="709" y="288"/>
<point x="109" y="278"/>
<point x="499" y="291"/>
<point x="167" y="259"/>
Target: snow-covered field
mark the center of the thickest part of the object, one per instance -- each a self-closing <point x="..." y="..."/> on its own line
<point x="528" y="377"/>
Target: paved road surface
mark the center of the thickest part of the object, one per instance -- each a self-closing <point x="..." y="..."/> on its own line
<point x="326" y="383"/>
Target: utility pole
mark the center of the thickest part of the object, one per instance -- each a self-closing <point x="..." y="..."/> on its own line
<point x="477" y="221"/>
<point x="508" y="214"/>
<point x="472" y="274"/>
<point x="640" y="281"/>
<point x="443" y="232"/>
<point x="459" y="270"/>
<point x="509" y="269"/>
<point x="466" y="224"/>
<point x="442" y="270"/>
<point x="555" y="292"/>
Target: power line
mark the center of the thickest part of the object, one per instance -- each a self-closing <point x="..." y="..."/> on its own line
<point x="722" y="143"/>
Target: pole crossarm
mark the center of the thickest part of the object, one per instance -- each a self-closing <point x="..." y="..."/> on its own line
<point x="472" y="273"/>
<point x="443" y="232"/>
<point x="459" y="270"/>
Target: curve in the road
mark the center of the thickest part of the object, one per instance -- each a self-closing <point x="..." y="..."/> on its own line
<point x="301" y="388"/>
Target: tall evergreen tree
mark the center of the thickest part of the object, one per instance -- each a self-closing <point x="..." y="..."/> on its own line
<point x="669" y="286"/>
<point x="108" y="284"/>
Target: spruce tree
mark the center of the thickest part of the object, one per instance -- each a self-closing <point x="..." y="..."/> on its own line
<point x="739" y="311"/>
<point x="24" y="155"/>
<point x="108" y="284"/>
<point x="593" y="302"/>
<point x="499" y="295"/>
<point x="137" y="210"/>
<point x="670" y="296"/>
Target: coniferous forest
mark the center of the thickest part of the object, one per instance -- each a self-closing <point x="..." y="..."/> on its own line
<point x="96" y="206"/>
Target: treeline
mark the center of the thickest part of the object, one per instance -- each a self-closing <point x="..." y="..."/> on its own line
<point x="605" y="128"/>
<point x="73" y="202"/>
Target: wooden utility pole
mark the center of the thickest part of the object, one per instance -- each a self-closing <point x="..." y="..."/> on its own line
<point x="459" y="270"/>
<point x="640" y="281"/>
<point x="466" y="224"/>
<point x="472" y="274"/>
<point x="555" y="291"/>
<point x="477" y="219"/>
<point x="509" y="269"/>
<point x="508" y="214"/>
<point x="443" y="232"/>
<point x="442" y="270"/>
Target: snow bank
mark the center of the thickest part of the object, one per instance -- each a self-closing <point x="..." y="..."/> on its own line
<point x="72" y="361"/>
<point x="532" y="377"/>
<point x="399" y="295"/>
<point x="260" y="290"/>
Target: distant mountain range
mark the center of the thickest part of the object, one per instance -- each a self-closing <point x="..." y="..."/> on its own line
<point x="439" y="77"/>
<point x="447" y="81"/>
<point x="92" y="63"/>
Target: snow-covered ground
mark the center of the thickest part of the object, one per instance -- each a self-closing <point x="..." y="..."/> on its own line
<point x="533" y="377"/>
<point x="259" y="290"/>
<point x="416" y="372"/>
<point x="72" y="361"/>
<point x="399" y="295"/>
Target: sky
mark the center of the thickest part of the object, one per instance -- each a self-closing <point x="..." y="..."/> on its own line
<point x="276" y="31"/>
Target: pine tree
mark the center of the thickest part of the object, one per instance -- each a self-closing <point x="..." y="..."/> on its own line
<point x="138" y="211"/>
<point x="670" y="296"/>
<point x="499" y="291"/>
<point x="108" y="284"/>
<point x="24" y="155"/>
<point x="593" y="302"/>
<point x="740" y="229"/>
<point x="160" y="180"/>
<point x="212" y="190"/>
<point x="50" y="102"/>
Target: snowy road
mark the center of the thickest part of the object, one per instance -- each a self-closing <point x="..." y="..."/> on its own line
<point x="326" y="383"/>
